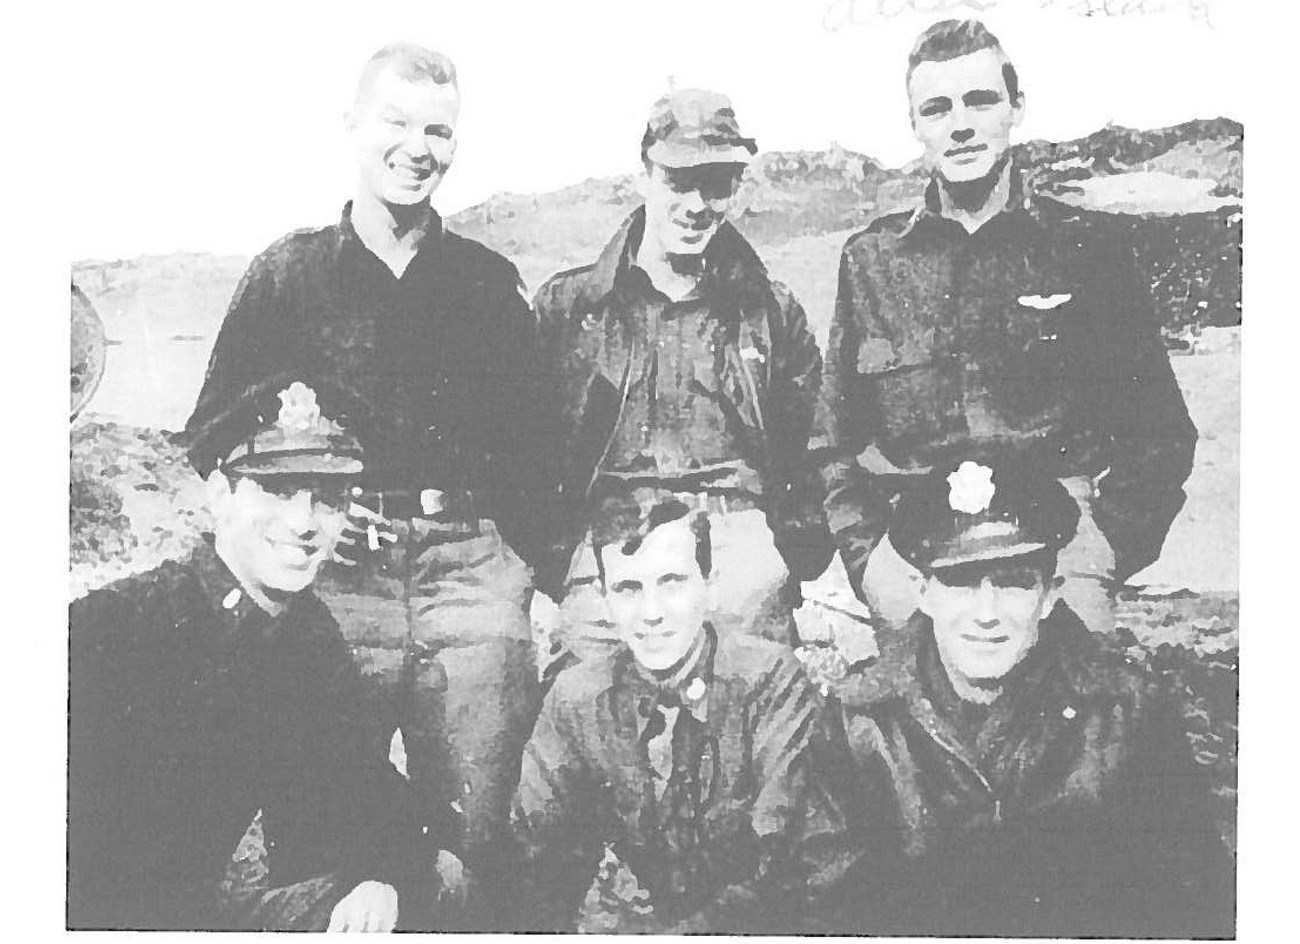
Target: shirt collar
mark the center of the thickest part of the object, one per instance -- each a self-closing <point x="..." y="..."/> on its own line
<point x="1020" y="199"/>
<point x="688" y="687"/>
<point x="352" y="239"/>
<point x="729" y="262"/>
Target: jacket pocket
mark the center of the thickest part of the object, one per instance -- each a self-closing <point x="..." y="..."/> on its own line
<point x="1028" y="379"/>
<point x="919" y="399"/>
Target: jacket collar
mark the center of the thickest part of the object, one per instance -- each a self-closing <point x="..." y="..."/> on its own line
<point x="352" y="240"/>
<point x="1065" y="650"/>
<point x="1019" y="200"/>
<point x="688" y="687"/>
<point x="222" y="589"/>
<point x="730" y="263"/>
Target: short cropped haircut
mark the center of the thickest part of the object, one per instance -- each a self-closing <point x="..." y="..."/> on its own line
<point x="627" y="526"/>
<point x="949" y="39"/>
<point x="411" y="62"/>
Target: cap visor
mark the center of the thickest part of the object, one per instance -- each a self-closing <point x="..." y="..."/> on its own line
<point x="677" y="155"/>
<point x="987" y="554"/>
<point x="323" y="464"/>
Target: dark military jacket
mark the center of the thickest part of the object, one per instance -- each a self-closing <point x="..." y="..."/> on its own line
<point x="445" y="355"/>
<point x="1027" y="340"/>
<point x="190" y="710"/>
<point x="766" y="371"/>
<point x="1072" y="807"/>
<point x="722" y="844"/>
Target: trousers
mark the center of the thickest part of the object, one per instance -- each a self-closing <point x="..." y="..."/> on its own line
<point x="748" y="576"/>
<point x="437" y="622"/>
<point x="892" y="586"/>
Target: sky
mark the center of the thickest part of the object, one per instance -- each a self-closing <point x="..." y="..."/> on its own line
<point x="219" y="127"/>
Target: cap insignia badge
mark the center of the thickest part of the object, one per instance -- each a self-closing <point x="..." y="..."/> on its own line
<point x="970" y="488"/>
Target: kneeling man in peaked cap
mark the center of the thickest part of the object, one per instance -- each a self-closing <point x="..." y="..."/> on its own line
<point x="218" y="686"/>
<point x="1012" y="773"/>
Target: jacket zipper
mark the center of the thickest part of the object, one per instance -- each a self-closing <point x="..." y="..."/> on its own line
<point x="979" y="775"/>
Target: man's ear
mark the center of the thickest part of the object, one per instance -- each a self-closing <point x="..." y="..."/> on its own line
<point x="922" y="592"/>
<point x="217" y="490"/>
<point x="1053" y="584"/>
<point x="713" y="592"/>
<point x="1018" y="110"/>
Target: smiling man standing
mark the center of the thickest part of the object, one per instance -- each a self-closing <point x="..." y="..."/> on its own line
<point x="1011" y="773"/>
<point x="986" y="322"/>
<point x="684" y="365"/>
<point x="435" y="330"/>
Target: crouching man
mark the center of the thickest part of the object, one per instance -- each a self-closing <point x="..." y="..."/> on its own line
<point x="683" y="756"/>
<point x="216" y="686"/>
<point x="1028" y="780"/>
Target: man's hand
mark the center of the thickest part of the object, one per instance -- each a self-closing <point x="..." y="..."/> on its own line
<point x="455" y="880"/>
<point x="371" y="906"/>
<point x="365" y="531"/>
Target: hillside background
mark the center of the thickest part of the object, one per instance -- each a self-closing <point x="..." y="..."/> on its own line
<point x="1174" y="194"/>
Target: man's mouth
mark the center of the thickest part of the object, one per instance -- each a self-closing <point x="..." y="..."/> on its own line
<point x="300" y="555"/>
<point x="411" y="171"/>
<point x="984" y="640"/>
<point x="655" y="637"/>
<point x="967" y="149"/>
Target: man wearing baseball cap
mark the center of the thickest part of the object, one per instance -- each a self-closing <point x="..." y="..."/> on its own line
<point x="1011" y="773"/>
<point x="685" y="367"/>
<point x="219" y="685"/>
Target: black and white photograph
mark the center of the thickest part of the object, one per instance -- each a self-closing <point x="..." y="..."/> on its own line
<point x="678" y="467"/>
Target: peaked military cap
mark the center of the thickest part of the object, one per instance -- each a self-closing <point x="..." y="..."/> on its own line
<point x="288" y="426"/>
<point x="971" y="513"/>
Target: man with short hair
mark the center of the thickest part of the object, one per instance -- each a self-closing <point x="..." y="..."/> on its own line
<point x="684" y="366"/>
<point x="986" y="323"/>
<point x="213" y="687"/>
<point x="436" y="331"/>
<point x="1007" y="772"/>
<point x="684" y="754"/>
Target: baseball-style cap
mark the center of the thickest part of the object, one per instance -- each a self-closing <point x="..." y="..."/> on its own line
<point x="973" y="513"/>
<point x="287" y="427"/>
<point x="691" y="127"/>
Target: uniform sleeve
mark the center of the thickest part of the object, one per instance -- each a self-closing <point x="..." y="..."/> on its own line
<point x="1135" y="399"/>
<point x="798" y="520"/>
<point x="558" y="512"/>
<point x="514" y="425"/>
<point x="857" y="506"/>
<point x="556" y="822"/>
<point x="1180" y="865"/>
<point x="246" y="341"/>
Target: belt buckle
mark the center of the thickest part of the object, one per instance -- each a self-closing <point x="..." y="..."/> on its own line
<point x="432" y="502"/>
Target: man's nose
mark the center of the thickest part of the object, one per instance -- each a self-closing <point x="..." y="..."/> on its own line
<point x="963" y="134"/>
<point x="301" y="514"/>
<point x="694" y="202"/>
<point x="652" y="612"/>
<point x="416" y="144"/>
<point x="986" y="613"/>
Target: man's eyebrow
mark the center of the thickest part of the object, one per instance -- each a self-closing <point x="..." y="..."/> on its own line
<point x="627" y="585"/>
<point x="671" y="576"/>
<point x="982" y="97"/>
